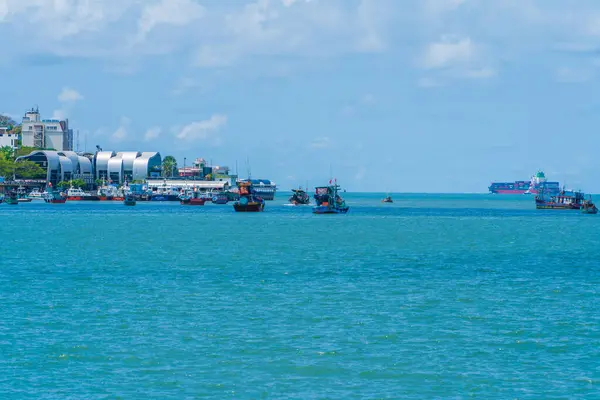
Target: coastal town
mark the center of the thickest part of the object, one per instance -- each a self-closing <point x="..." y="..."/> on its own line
<point x="38" y="154"/>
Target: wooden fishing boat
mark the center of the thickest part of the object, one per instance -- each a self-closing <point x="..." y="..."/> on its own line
<point x="129" y="200"/>
<point x="249" y="201"/>
<point x="329" y="201"/>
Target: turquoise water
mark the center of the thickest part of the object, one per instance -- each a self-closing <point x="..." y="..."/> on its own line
<point x="434" y="296"/>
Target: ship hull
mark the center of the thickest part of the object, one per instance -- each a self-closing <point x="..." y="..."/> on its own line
<point x="265" y="194"/>
<point x="83" y="198"/>
<point x="250" y="207"/>
<point x="165" y="197"/>
<point x="56" y="201"/>
<point x="193" y="202"/>
<point x="330" y="210"/>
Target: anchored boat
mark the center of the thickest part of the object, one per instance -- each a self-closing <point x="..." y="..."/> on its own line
<point x="329" y="201"/>
<point x="12" y="198"/>
<point x="564" y="200"/>
<point x="129" y="200"/>
<point x="192" y="198"/>
<point x="249" y="201"/>
<point x="588" y="207"/>
<point x="299" y="197"/>
<point x="54" y="196"/>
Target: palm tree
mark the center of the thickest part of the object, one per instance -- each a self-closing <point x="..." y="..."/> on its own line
<point x="169" y="165"/>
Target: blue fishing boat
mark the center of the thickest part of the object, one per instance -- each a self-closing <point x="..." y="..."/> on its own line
<point x="329" y="201"/>
<point x="129" y="200"/>
<point x="249" y="201"/>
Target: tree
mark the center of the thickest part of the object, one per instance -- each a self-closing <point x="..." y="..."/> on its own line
<point x="7" y="153"/>
<point x="7" y="168"/>
<point x="25" y="150"/>
<point x="28" y="170"/>
<point x="5" y="120"/>
<point x="169" y="165"/>
<point x="78" y="183"/>
<point x="64" y="184"/>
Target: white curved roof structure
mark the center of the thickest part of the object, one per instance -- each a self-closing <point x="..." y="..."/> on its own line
<point x="66" y="167"/>
<point x="129" y="158"/>
<point x="85" y="166"/>
<point x="101" y="163"/>
<point x="71" y="155"/>
<point x="144" y="163"/>
<point x="47" y="159"/>
<point x="115" y="167"/>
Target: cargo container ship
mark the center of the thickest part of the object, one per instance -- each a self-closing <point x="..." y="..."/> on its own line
<point x="533" y="186"/>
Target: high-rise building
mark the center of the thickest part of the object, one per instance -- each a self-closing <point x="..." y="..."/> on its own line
<point x="46" y="133"/>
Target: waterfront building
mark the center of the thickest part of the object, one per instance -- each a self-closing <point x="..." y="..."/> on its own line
<point x="8" y="138"/>
<point x="46" y="133"/>
<point x="199" y="170"/>
<point x="130" y="166"/>
<point x="177" y="185"/>
<point x="62" y="165"/>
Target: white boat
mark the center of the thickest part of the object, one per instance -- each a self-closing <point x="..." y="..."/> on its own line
<point x="35" y="194"/>
<point x="78" y="194"/>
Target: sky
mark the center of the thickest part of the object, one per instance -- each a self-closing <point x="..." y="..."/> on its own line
<point x="385" y="95"/>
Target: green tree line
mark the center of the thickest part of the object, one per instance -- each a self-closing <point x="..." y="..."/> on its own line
<point x="22" y="169"/>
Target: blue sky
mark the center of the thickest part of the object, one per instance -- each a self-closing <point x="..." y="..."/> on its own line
<point x="411" y="95"/>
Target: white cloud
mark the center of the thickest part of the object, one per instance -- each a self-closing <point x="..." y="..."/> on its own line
<point x="321" y="143"/>
<point x="69" y="95"/>
<point x="121" y="133"/>
<point x="152" y="134"/>
<point x="447" y="52"/>
<point x="168" y="12"/>
<point x="480" y="73"/>
<point x="203" y="130"/>
<point x="59" y="114"/>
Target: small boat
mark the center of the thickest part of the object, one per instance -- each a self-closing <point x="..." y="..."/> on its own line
<point x="35" y="194"/>
<point x="12" y="198"/>
<point x="564" y="200"/>
<point x="192" y="198"/>
<point x="249" y="201"/>
<point x="55" y="197"/>
<point x="588" y="207"/>
<point x="299" y="197"/>
<point x="329" y="201"/>
<point x="22" y="195"/>
<point x="387" y="199"/>
<point x="129" y="200"/>
<point x="76" y="194"/>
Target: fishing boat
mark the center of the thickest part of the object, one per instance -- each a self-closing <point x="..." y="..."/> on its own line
<point x="588" y="207"/>
<point x="76" y="194"/>
<point x="129" y="200"/>
<point x="35" y="194"/>
<point x="249" y="201"/>
<point x="12" y="198"/>
<point x="299" y="197"/>
<point x="220" y="197"/>
<point x="564" y="200"/>
<point x="22" y="195"/>
<point x="55" y="197"/>
<point x="329" y="201"/>
<point x="192" y="198"/>
<point x="387" y="199"/>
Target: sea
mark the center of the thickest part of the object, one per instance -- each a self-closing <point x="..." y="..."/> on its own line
<point x="431" y="297"/>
